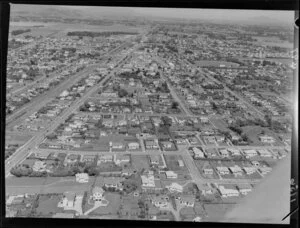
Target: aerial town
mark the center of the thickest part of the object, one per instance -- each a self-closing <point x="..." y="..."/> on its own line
<point x="143" y="120"/>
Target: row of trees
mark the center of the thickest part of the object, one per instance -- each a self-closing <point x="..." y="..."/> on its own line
<point x="20" y="31"/>
<point x="96" y="34"/>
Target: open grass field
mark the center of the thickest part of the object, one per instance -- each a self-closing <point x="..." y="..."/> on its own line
<point x="140" y="162"/>
<point x="201" y="164"/>
<point x="14" y="138"/>
<point x="253" y="133"/>
<point x="47" y="205"/>
<point x="172" y="163"/>
<point x="215" y="212"/>
<point x="272" y="41"/>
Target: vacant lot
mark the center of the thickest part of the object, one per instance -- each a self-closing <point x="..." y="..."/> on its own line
<point x="48" y="205"/>
<point x="15" y="138"/>
<point x="202" y="164"/>
<point x="216" y="212"/>
<point x="253" y="133"/>
<point x="140" y="162"/>
<point x="187" y="212"/>
<point x="173" y="164"/>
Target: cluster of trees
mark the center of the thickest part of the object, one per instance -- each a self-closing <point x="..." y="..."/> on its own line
<point x="163" y="88"/>
<point x="24" y="170"/>
<point x="20" y="31"/>
<point x="96" y="34"/>
<point x="213" y="86"/>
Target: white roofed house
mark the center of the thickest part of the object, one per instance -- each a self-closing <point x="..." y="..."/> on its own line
<point x="264" y="153"/>
<point x="250" y="153"/>
<point x="160" y="201"/>
<point x="180" y="163"/>
<point x="133" y="145"/>
<point x="175" y="187"/>
<point x="98" y="193"/>
<point x="148" y="181"/>
<point x="208" y="171"/>
<point x="224" y="153"/>
<point x="117" y="145"/>
<point x="198" y="153"/>
<point x="186" y="200"/>
<point x="266" y="139"/>
<point x="171" y="175"/>
<point x="249" y="170"/>
<point x="82" y="177"/>
<point x="222" y="170"/>
<point x="120" y="158"/>
<point x="234" y="151"/>
<point x="264" y="170"/>
<point x="244" y="189"/>
<point x="228" y="192"/>
<point x="236" y="170"/>
<point x="113" y="182"/>
<point x="154" y="159"/>
<point x="39" y="166"/>
<point x="104" y="159"/>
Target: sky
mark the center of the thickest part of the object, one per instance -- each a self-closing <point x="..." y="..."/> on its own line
<point x="247" y="16"/>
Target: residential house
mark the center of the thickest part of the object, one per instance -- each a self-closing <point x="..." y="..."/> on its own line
<point x="208" y="171"/>
<point x="88" y="158"/>
<point x="234" y="151"/>
<point x="249" y="170"/>
<point x="224" y="153"/>
<point x="186" y="200"/>
<point x="223" y="170"/>
<point x="175" y="187"/>
<point x="154" y="159"/>
<point x="171" y="175"/>
<point x="113" y="182"/>
<point x="82" y="177"/>
<point x="72" y="158"/>
<point x="227" y="192"/>
<point x="264" y="153"/>
<point x="133" y="145"/>
<point x="42" y="154"/>
<point x="104" y="159"/>
<point x="198" y="153"/>
<point x="68" y="200"/>
<point x="265" y="170"/>
<point x="236" y="170"/>
<point x="180" y="163"/>
<point x="167" y="144"/>
<point x="117" y="146"/>
<point x="121" y="158"/>
<point x="160" y="201"/>
<point x="39" y="166"/>
<point x="97" y="193"/>
<point x="220" y="138"/>
<point x="244" y="189"/>
<point x="151" y="144"/>
<point x="250" y="153"/>
<point x="148" y="181"/>
<point x="266" y="139"/>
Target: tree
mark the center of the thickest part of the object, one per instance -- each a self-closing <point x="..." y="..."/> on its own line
<point x="122" y="93"/>
<point x="175" y="105"/>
